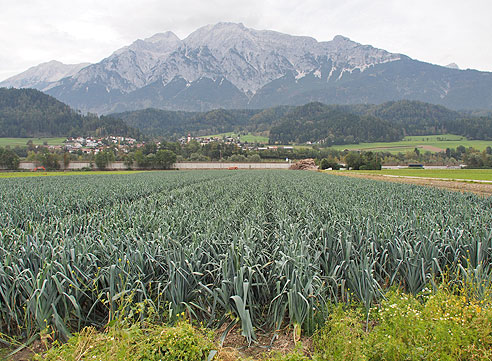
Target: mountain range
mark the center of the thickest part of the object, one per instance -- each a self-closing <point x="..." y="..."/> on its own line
<point x="228" y="65"/>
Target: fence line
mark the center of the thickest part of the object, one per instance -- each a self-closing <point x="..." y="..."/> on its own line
<point x="77" y="165"/>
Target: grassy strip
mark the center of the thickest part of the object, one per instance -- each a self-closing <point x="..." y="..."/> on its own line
<point x="461" y="174"/>
<point x="411" y="142"/>
<point x="4" y="353"/>
<point x="22" y="142"/>
<point x="51" y="174"/>
<point x="443" y="325"/>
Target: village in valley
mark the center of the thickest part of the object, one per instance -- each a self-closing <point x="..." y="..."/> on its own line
<point x="93" y="145"/>
<point x="88" y="145"/>
<point x="230" y="140"/>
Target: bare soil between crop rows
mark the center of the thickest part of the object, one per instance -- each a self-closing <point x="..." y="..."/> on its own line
<point x="235" y="346"/>
<point x="482" y="189"/>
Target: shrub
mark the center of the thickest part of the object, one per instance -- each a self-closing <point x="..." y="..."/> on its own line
<point x="296" y="355"/>
<point x="329" y="163"/>
<point x="237" y="158"/>
<point x="9" y="159"/>
<point x="180" y="343"/>
<point x="341" y="338"/>
<point x="103" y="158"/>
<point x="363" y="161"/>
<point x="164" y="159"/>
<point x="444" y="325"/>
<point x="48" y="160"/>
<point x="254" y="158"/>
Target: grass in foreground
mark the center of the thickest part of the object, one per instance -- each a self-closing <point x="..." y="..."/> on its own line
<point x="447" y="324"/>
<point x="3" y="354"/>
<point x="466" y="174"/>
<point x="51" y="174"/>
<point x="181" y="342"/>
<point x="22" y="142"/>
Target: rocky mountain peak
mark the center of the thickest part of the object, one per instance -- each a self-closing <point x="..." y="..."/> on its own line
<point x="217" y="36"/>
<point x="162" y="37"/>
<point x="160" y="44"/>
<point x="452" y="66"/>
<point x="341" y="39"/>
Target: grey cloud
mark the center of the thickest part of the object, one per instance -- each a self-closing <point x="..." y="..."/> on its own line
<point x="438" y="31"/>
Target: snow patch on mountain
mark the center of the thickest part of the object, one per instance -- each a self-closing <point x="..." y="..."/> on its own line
<point x="300" y="75"/>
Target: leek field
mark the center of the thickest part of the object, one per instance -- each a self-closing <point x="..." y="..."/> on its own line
<point x="260" y="249"/>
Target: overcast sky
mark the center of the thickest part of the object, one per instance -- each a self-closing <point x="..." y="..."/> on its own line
<point x="75" y="31"/>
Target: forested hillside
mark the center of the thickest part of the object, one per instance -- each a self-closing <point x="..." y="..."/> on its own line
<point x="472" y="127"/>
<point x="330" y="125"/>
<point x="31" y="113"/>
<point x="416" y="118"/>
<point x="174" y="124"/>
<point x="317" y="122"/>
<point x="343" y="124"/>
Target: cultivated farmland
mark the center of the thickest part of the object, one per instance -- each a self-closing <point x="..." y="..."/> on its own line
<point x="260" y="248"/>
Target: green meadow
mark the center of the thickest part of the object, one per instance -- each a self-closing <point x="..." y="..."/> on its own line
<point x="466" y="174"/>
<point x="423" y="142"/>
<point x="21" y="142"/>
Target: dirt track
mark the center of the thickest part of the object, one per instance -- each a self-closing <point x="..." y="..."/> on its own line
<point x="431" y="148"/>
<point x="482" y="189"/>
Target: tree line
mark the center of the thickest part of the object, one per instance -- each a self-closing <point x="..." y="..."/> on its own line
<point x="149" y="155"/>
<point x="165" y="154"/>
<point x="8" y="159"/>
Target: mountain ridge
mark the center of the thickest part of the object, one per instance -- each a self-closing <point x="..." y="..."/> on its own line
<point x="227" y="65"/>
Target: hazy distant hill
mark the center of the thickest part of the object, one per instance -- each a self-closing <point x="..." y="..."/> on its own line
<point x="227" y="65"/>
<point x="41" y="76"/>
<point x="31" y="113"/>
